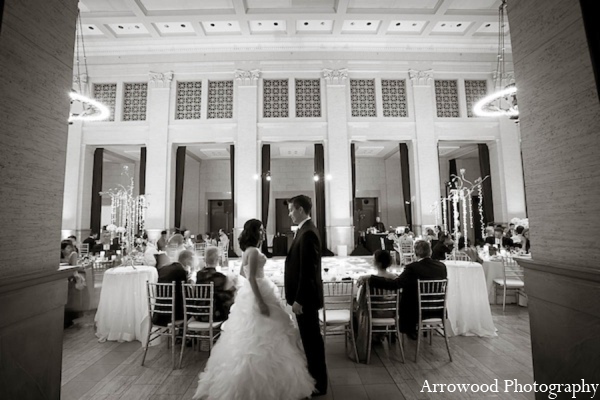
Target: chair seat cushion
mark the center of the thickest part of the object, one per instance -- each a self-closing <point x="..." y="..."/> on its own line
<point x="432" y="321"/>
<point x="515" y="283"/>
<point x="383" y="321"/>
<point x="195" y="325"/>
<point x="335" y="317"/>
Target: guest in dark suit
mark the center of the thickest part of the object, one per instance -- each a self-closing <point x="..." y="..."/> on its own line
<point x="174" y="272"/>
<point x="304" y="288"/>
<point x="379" y="225"/>
<point x="424" y="269"/>
<point x="499" y="239"/>
<point x="91" y="241"/>
<point x="444" y="246"/>
<point x="161" y="243"/>
<point x="224" y="291"/>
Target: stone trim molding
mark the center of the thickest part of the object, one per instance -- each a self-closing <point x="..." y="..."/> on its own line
<point x="160" y="79"/>
<point x="421" y="78"/>
<point x="247" y="77"/>
<point x="335" y="76"/>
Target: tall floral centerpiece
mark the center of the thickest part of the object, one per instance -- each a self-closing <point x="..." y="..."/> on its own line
<point x="127" y="214"/>
<point x="460" y="198"/>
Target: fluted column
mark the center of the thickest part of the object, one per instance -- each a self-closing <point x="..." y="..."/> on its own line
<point x="338" y="189"/>
<point x="247" y="197"/>
<point x="424" y="149"/>
<point x="159" y="154"/>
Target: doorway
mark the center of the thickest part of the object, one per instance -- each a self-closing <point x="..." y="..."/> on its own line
<point x="365" y="211"/>
<point x="220" y="214"/>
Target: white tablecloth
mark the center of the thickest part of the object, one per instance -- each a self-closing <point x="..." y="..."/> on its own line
<point x="492" y="270"/>
<point x="123" y="309"/>
<point x="469" y="310"/>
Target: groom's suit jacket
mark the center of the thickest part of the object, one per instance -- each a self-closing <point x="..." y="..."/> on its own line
<point x="303" y="281"/>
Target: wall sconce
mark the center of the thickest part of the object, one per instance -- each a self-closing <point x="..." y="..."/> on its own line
<point x="316" y="177"/>
<point x="268" y="176"/>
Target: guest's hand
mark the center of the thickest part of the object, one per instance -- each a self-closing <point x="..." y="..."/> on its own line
<point x="297" y="308"/>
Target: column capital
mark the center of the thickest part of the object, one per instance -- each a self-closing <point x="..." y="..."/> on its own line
<point x="160" y="79"/>
<point x="80" y="79"/>
<point x="335" y="76"/>
<point x="421" y="78"/>
<point x="505" y="78"/>
<point x="247" y="77"/>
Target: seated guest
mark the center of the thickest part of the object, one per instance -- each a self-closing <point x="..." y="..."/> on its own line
<point x="161" y="244"/>
<point x="382" y="260"/>
<point x="174" y="272"/>
<point x="518" y="238"/>
<point x="68" y="253"/>
<point x="187" y="259"/>
<point x="224" y="291"/>
<point x="444" y="246"/>
<point x="149" y="252"/>
<point x="91" y="240"/>
<point x="469" y="250"/>
<point x="379" y="225"/>
<point x="510" y="231"/>
<point x="430" y="235"/>
<point x="223" y="239"/>
<point x="498" y="239"/>
<point x="73" y="240"/>
<point x="187" y="240"/>
<point x="424" y="269"/>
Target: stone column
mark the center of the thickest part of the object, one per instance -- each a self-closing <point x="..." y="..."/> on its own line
<point x="512" y="166"/>
<point x="247" y="186"/>
<point x="424" y="150"/>
<point x="338" y="189"/>
<point x="158" y="153"/>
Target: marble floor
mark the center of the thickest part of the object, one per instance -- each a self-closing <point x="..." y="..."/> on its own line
<point x="112" y="370"/>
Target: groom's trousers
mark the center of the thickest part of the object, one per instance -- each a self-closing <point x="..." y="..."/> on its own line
<point x="310" y="333"/>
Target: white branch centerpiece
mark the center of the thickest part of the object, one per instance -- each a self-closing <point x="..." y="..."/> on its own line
<point x="127" y="214"/>
<point x="461" y="199"/>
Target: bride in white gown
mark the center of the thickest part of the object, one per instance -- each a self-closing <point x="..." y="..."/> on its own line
<point x="259" y="354"/>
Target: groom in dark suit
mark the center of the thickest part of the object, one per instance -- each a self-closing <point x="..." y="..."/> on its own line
<point x="304" y="288"/>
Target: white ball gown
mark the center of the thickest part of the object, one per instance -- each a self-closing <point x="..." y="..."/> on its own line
<point x="256" y="357"/>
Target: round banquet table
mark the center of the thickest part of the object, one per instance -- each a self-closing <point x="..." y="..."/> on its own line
<point x="467" y="301"/>
<point x="123" y="309"/>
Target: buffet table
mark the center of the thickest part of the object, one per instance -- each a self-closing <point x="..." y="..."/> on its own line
<point x="123" y="309"/>
<point x="467" y="300"/>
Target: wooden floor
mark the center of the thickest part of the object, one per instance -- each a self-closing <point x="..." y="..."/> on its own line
<point x="112" y="370"/>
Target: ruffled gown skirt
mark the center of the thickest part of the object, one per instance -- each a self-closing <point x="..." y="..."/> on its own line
<point x="256" y="357"/>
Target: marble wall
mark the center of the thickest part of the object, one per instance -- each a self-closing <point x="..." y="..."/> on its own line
<point x="560" y="126"/>
<point x="36" y="66"/>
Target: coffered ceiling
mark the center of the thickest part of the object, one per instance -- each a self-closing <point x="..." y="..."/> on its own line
<point x="451" y="22"/>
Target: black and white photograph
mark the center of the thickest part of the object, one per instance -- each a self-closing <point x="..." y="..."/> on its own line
<point x="299" y="199"/>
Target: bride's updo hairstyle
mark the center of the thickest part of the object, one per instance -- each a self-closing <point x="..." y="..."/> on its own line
<point x="250" y="236"/>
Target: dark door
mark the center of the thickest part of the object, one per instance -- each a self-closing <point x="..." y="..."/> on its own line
<point x="283" y="223"/>
<point x="220" y="215"/>
<point x="365" y="211"/>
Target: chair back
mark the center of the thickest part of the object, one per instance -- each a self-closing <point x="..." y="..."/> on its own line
<point x="432" y="297"/>
<point x="338" y="295"/>
<point x="198" y="300"/>
<point x="382" y="300"/>
<point x="460" y="256"/>
<point x="84" y="249"/>
<point x="200" y="249"/>
<point x="161" y="299"/>
<point x="224" y="253"/>
<point x="512" y="270"/>
<point x="407" y="247"/>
